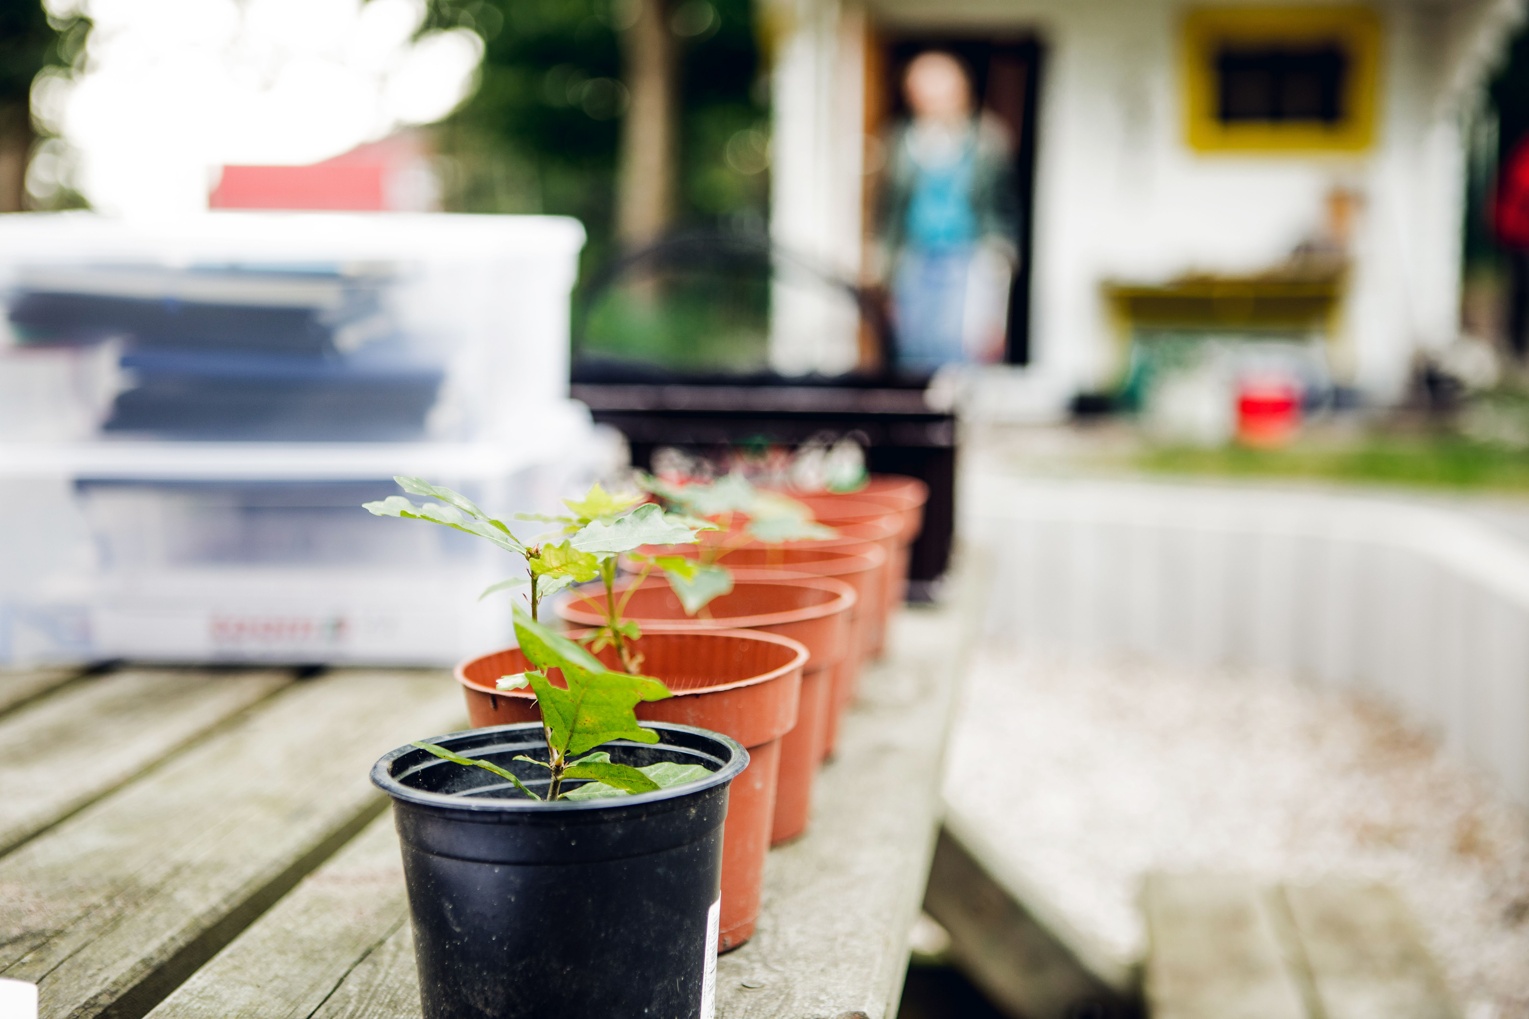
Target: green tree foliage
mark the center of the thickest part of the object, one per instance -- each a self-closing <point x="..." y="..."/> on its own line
<point x="30" y="40"/>
<point x="541" y="132"/>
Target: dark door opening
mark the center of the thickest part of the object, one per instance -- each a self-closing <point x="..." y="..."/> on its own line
<point x="1006" y="76"/>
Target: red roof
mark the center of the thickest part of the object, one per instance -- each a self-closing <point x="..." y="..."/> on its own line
<point x="358" y="180"/>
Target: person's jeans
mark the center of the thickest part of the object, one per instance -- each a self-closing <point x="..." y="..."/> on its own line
<point x="929" y="302"/>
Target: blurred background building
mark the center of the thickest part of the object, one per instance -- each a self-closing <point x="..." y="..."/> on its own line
<point x="1314" y="177"/>
<point x="262" y="255"/>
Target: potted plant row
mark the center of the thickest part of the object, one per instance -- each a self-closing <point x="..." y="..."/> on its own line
<point x="876" y="530"/>
<point x="743" y="684"/>
<point x="665" y="725"/>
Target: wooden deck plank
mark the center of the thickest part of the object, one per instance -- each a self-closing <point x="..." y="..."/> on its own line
<point x="71" y="748"/>
<point x="838" y="903"/>
<point x="1215" y="951"/>
<point x="113" y="908"/>
<point x="384" y="985"/>
<point x="1026" y="962"/>
<point x="1364" y="954"/>
<point x="21" y="686"/>
<point x="289" y="963"/>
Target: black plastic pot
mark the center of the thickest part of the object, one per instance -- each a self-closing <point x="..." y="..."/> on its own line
<point x="534" y="910"/>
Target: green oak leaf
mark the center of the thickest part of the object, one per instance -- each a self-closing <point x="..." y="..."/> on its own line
<point x="671" y="773"/>
<point x="549" y="650"/>
<point x="598" y="504"/>
<point x="684" y="566"/>
<point x="665" y="775"/>
<point x="776" y="504"/>
<point x="474" y="762"/>
<point x="563" y="560"/>
<point x="504" y="585"/>
<point x="546" y="587"/>
<point x="776" y="529"/>
<point x="702" y="584"/>
<point x="457" y="501"/>
<point x="728" y="494"/>
<point x="648" y="524"/>
<point x="674" y="495"/>
<point x="600" y="768"/>
<point x="455" y="511"/>
<point x="596" y="706"/>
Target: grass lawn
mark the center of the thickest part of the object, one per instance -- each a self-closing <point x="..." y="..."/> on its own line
<point x="1446" y="462"/>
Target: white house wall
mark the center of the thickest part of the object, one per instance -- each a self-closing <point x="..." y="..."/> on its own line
<point x="1121" y="196"/>
<point x="816" y="157"/>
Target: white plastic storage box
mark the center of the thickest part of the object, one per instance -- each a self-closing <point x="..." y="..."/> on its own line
<point x="194" y="411"/>
<point x="261" y="552"/>
<point x="282" y="326"/>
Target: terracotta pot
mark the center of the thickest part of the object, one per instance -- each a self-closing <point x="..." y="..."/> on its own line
<point x="906" y="495"/>
<point x="839" y="511"/>
<point x="741" y="683"/>
<point x="815" y="611"/>
<point x="884" y="530"/>
<point x="859" y="565"/>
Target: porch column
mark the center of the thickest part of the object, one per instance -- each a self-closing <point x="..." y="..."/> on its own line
<point x="816" y="158"/>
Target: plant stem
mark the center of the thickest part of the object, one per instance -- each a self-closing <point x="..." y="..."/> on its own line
<point x="536" y="598"/>
<point x="631" y="589"/>
<point x="557" y="765"/>
<point x="613" y="616"/>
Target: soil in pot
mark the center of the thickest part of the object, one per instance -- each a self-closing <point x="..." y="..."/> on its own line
<point x="815" y="611"/>
<point x="743" y="684"/>
<point x="534" y="910"/>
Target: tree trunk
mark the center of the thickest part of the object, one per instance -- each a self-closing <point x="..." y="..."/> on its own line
<point x="646" y="179"/>
<point x="15" y="145"/>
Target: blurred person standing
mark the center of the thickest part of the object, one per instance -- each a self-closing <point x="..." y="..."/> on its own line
<point x="1510" y="221"/>
<point x="947" y="223"/>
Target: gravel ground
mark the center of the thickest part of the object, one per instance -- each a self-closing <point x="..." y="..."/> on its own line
<point x="1121" y="768"/>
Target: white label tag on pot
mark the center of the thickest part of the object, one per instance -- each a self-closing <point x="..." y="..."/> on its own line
<point x="709" y="976"/>
<point x="18" y="998"/>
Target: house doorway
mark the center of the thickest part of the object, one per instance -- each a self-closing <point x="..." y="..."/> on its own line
<point x="1006" y="75"/>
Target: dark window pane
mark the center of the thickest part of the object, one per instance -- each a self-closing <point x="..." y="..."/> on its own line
<point x="1280" y="84"/>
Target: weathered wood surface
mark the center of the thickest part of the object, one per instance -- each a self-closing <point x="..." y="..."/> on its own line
<point x="838" y="904"/>
<point x="383" y="985"/>
<point x="288" y="965"/>
<point x="1364" y="953"/>
<point x="1224" y="946"/>
<point x="1018" y="958"/>
<point x="1216" y="951"/>
<point x="18" y="686"/>
<point x="112" y="908"/>
<point x="67" y="750"/>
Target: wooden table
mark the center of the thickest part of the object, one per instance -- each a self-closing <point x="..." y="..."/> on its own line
<point x="205" y="842"/>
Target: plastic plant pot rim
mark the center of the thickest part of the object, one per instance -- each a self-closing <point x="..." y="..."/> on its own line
<point x="903" y="489"/>
<point x="837" y="553"/>
<point x="886" y="521"/>
<point x="844" y="600"/>
<point x="383" y="778"/>
<point x="859" y="511"/>
<point x="798" y="661"/>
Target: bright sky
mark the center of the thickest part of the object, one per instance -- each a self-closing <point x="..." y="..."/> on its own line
<point x="174" y="89"/>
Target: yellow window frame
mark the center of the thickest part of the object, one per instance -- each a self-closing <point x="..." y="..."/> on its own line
<point x="1357" y="28"/>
